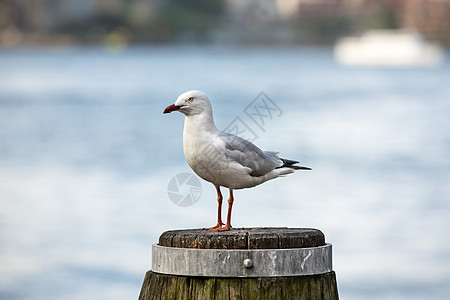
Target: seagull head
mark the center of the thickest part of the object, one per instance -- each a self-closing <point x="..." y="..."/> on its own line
<point x="190" y="103"/>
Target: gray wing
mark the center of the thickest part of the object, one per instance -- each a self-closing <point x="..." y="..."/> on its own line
<point x="249" y="155"/>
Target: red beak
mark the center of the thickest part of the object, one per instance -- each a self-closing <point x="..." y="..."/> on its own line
<point x="171" y="108"/>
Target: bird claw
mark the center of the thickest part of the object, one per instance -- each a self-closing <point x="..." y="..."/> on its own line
<point x="215" y="228"/>
<point x="222" y="228"/>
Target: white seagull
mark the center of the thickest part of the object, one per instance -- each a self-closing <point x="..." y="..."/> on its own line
<point x="222" y="158"/>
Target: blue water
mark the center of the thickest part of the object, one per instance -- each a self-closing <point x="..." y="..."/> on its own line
<point x="86" y="156"/>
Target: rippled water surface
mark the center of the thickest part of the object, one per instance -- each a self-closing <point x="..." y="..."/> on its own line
<point x="86" y="156"/>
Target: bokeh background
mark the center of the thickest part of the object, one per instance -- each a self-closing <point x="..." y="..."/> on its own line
<point x="86" y="154"/>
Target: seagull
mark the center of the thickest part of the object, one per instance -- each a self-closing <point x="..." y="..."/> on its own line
<point x="224" y="159"/>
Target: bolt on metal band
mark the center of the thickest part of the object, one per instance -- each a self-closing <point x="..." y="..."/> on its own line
<point x="242" y="262"/>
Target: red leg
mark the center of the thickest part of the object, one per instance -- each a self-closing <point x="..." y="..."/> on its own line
<point x="219" y="210"/>
<point x="230" y="206"/>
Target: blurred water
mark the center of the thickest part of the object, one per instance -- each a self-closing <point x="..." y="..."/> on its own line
<point x="86" y="156"/>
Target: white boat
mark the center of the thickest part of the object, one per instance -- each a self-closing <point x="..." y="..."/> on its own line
<point x="388" y="48"/>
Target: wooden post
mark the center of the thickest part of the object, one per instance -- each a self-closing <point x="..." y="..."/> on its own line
<point x="222" y="254"/>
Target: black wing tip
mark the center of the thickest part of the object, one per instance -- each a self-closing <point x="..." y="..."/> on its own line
<point x="300" y="168"/>
<point x="290" y="164"/>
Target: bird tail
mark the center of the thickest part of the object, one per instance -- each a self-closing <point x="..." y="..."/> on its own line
<point x="287" y="163"/>
<point x="288" y="167"/>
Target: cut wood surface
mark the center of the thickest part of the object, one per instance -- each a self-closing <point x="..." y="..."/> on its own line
<point x="248" y="238"/>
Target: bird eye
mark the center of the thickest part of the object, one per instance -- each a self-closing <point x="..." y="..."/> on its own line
<point x="190" y="99"/>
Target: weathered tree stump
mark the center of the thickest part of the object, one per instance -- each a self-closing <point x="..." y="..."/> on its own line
<point x="245" y="285"/>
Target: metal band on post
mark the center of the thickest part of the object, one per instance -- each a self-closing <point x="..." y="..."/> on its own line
<point x="242" y="262"/>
